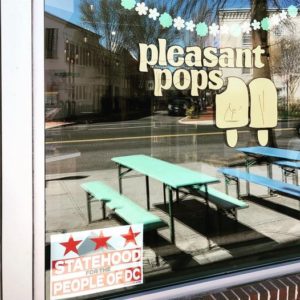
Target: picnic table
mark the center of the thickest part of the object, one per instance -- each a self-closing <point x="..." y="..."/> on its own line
<point x="259" y="151"/>
<point x="268" y="154"/>
<point x="173" y="177"/>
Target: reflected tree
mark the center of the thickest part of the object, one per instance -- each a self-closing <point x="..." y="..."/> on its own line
<point x="121" y="29"/>
<point x="287" y="65"/>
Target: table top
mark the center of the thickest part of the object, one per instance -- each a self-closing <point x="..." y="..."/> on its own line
<point x="272" y="152"/>
<point x="168" y="173"/>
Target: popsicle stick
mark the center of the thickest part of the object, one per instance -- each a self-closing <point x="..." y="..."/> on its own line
<point x="263" y="137"/>
<point x="231" y="137"/>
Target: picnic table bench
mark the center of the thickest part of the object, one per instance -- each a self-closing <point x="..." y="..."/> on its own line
<point x="279" y="186"/>
<point x="224" y="203"/>
<point x="289" y="168"/>
<point x="122" y="206"/>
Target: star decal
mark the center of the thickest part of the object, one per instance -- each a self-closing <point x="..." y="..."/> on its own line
<point x="224" y="29"/>
<point x="214" y="29"/>
<point x="153" y="14"/>
<point x="246" y="27"/>
<point x="128" y="4"/>
<point x="265" y="23"/>
<point x="292" y="11"/>
<point x="179" y="23"/>
<point x="202" y="29"/>
<point x="71" y="245"/>
<point x="283" y="15"/>
<point x="235" y="30"/>
<point x="130" y="236"/>
<point x="190" y="26"/>
<point x="274" y="20"/>
<point x="141" y="8"/>
<point x="165" y="20"/>
<point x="256" y="25"/>
<point x="101" y="241"/>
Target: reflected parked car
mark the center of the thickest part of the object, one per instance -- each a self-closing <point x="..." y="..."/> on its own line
<point x="178" y="106"/>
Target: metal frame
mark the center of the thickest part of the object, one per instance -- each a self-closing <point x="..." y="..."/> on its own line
<point x="290" y="172"/>
<point x="250" y="162"/>
<point x="23" y="229"/>
<point x="228" y="180"/>
<point x="17" y="168"/>
<point x="23" y="149"/>
<point x="89" y="199"/>
<point x="219" y="282"/>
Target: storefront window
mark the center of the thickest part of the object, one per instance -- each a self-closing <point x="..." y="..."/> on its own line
<point x="175" y="92"/>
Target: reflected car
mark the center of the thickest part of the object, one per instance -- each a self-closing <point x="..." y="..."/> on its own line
<point x="178" y="106"/>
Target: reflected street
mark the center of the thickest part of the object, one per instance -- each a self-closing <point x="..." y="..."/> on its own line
<point x="159" y="135"/>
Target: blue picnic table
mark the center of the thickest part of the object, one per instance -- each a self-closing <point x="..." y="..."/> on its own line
<point x="268" y="154"/>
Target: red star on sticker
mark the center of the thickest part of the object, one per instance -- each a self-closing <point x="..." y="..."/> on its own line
<point x="101" y="241"/>
<point x="130" y="236"/>
<point x="71" y="245"/>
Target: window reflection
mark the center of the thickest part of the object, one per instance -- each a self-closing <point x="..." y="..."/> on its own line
<point x="99" y="106"/>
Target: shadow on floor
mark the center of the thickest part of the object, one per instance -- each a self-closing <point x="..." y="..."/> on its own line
<point x="218" y="228"/>
<point x="283" y="209"/>
<point x="68" y="178"/>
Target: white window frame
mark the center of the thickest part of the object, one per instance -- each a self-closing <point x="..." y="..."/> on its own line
<point x="22" y="70"/>
<point x="23" y="172"/>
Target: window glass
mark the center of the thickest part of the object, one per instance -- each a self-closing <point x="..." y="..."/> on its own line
<point x="165" y="94"/>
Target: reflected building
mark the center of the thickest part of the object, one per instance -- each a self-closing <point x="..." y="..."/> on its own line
<point x="85" y="80"/>
<point x="282" y="73"/>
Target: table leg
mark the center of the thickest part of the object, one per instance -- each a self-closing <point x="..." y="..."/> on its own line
<point x="88" y="198"/>
<point x="226" y="185"/>
<point x="238" y="190"/>
<point x="206" y="194"/>
<point x="103" y="210"/>
<point x="247" y="182"/>
<point x="164" y="190"/>
<point x="147" y="193"/>
<point x="270" y="174"/>
<point x="207" y="215"/>
<point x="120" y="178"/>
<point x="283" y="175"/>
<point x="172" y="229"/>
<point x="177" y="196"/>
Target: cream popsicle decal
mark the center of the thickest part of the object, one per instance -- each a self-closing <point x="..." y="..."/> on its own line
<point x="232" y="109"/>
<point x="263" y="108"/>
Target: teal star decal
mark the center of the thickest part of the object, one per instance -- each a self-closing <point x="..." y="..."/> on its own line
<point x="235" y="30"/>
<point x="292" y="11"/>
<point x="202" y="29"/>
<point x="128" y="4"/>
<point x="165" y="20"/>
<point x="265" y="24"/>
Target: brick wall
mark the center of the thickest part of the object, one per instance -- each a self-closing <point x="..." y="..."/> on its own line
<point x="283" y="288"/>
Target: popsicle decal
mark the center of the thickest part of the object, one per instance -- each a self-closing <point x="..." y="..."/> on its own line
<point x="232" y="108"/>
<point x="263" y="108"/>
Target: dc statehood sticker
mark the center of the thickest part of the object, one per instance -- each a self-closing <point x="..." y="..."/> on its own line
<point x="95" y="261"/>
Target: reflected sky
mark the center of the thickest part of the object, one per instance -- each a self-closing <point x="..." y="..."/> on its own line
<point x="69" y="9"/>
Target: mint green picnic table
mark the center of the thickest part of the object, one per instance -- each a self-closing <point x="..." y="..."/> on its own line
<point x="172" y="176"/>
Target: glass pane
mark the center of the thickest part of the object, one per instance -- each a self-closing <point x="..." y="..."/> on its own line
<point x="133" y="91"/>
